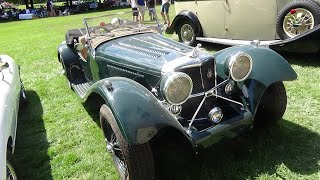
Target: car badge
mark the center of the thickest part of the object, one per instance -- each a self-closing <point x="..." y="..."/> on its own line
<point x="209" y="74"/>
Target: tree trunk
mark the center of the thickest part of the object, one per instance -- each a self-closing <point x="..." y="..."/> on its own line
<point x="31" y="3"/>
<point x="27" y="3"/>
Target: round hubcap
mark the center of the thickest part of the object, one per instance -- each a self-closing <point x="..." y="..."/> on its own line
<point x="298" y="21"/>
<point x="11" y="175"/>
<point x="187" y="33"/>
<point x="115" y="150"/>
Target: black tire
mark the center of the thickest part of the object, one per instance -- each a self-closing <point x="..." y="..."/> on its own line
<point x="11" y="173"/>
<point x="137" y="159"/>
<point x="312" y="6"/>
<point x="187" y="33"/>
<point x="272" y="105"/>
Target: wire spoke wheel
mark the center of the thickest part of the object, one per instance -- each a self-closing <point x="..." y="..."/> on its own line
<point x="298" y="21"/>
<point x="116" y="152"/>
<point x="134" y="162"/>
<point x="297" y="17"/>
<point x="187" y="33"/>
<point x="11" y="175"/>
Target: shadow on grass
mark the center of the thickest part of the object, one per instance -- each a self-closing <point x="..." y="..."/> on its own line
<point x="303" y="59"/>
<point x="285" y="145"/>
<point x="32" y="145"/>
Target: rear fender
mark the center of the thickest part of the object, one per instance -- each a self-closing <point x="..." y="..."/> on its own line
<point x="67" y="54"/>
<point x="268" y="68"/>
<point x="185" y="15"/>
<point x="138" y="113"/>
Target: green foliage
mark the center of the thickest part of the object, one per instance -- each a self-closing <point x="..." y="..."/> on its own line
<point x="58" y="138"/>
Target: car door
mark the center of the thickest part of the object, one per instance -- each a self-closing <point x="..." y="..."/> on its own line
<point x="251" y="19"/>
<point x="211" y="14"/>
<point x="87" y="62"/>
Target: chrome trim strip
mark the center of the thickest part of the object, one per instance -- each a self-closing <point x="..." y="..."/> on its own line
<point x="200" y="69"/>
<point x="196" y="95"/>
<point x="185" y="62"/>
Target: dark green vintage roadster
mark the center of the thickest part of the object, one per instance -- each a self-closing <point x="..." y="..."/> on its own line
<point x="156" y="91"/>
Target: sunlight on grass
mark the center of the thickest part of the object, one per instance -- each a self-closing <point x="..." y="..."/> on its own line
<point x="59" y="139"/>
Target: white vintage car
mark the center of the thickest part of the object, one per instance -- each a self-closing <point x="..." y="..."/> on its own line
<point x="12" y="95"/>
<point x="243" y="19"/>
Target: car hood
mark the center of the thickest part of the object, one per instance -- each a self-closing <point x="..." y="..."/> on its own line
<point x="147" y="52"/>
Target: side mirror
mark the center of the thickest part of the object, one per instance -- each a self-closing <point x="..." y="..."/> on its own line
<point x="79" y="46"/>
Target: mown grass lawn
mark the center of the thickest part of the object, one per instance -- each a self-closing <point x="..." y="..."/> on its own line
<point x="59" y="139"/>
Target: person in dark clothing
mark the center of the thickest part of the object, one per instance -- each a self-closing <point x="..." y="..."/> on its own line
<point x="152" y="10"/>
<point x="49" y="7"/>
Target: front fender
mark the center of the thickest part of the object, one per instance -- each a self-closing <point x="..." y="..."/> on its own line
<point x="185" y="15"/>
<point x="138" y="113"/>
<point x="268" y="66"/>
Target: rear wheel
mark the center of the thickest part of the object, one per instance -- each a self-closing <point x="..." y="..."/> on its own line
<point x="272" y="105"/>
<point x="297" y="17"/>
<point x="133" y="162"/>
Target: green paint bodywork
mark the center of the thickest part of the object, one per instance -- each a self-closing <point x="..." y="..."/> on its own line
<point x="139" y="114"/>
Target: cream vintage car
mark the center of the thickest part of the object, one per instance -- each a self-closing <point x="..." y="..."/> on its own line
<point x="12" y="95"/>
<point x="243" y="19"/>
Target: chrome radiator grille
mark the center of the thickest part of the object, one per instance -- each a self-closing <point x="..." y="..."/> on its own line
<point x="203" y="79"/>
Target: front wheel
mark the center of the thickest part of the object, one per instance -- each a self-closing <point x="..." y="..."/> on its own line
<point x="133" y="162"/>
<point x="187" y="33"/>
<point x="297" y="17"/>
<point x="272" y="105"/>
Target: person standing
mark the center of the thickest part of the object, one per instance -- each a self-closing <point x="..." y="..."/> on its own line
<point x="165" y="12"/>
<point x="141" y="7"/>
<point x="152" y="11"/>
<point x="49" y="7"/>
<point x="135" y="12"/>
<point x="53" y="11"/>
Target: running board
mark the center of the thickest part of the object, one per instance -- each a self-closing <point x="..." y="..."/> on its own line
<point x="81" y="89"/>
<point x="234" y="42"/>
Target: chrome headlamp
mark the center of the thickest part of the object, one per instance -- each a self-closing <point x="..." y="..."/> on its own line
<point x="240" y="66"/>
<point x="176" y="87"/>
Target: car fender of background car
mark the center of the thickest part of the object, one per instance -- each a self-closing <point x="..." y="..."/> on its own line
<point x="227" y="22"/>
<point x="153" y="91"/>
<point x="12" y="96"/>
